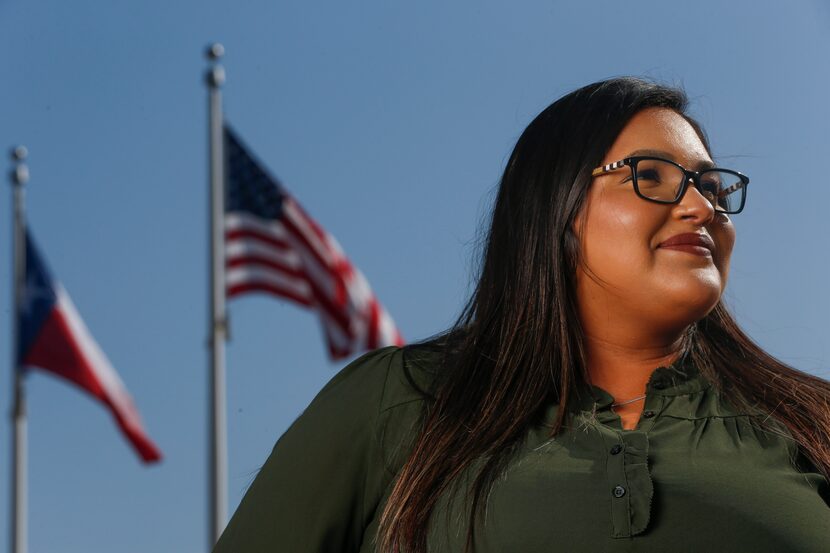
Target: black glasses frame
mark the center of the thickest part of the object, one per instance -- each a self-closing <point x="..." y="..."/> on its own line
<point x="693" y="176"/>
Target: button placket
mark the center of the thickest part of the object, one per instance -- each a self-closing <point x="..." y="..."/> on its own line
<point x="640" y="488"/>
<point x="630" y="488"/>
<point x="629" y="484"/>
<point x="617" y="487"/>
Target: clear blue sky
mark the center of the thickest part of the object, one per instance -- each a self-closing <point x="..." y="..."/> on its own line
<point x="391" y="123"/>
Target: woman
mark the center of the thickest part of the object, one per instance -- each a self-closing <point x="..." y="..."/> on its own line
<point x="594" y="396"/>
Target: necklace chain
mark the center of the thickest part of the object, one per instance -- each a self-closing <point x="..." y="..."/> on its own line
<point x="626" y="402"/>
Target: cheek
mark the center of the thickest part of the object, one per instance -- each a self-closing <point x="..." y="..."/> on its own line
<point x="616" y="238"/>
<point x="723" y="234"/>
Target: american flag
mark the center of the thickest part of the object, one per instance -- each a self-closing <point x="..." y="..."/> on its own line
<point x="273" y="246"/>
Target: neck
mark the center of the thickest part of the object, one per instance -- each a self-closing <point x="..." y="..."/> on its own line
<point x="624" y="343"/>
<point x="622" y="367"/>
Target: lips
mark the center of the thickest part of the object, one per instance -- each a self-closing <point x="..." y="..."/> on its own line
<point x="698" y="244"/>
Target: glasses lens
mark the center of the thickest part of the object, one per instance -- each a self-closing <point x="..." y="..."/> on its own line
<point x="725" y="190"/>
<point x="658" y="179"/>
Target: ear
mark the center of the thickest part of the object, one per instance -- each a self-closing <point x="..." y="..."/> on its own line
<point x="578" y="224"/>
<point x="572" y="242"/>
<point x="574" y="233"/>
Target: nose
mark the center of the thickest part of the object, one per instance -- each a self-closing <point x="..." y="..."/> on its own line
<point x="693" y="205"/>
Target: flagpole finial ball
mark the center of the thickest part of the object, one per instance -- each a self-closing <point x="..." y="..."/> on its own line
<point x="215" y="51"/>
<point x="21" y="174"/>
<point x="19" y="153"/>
<point x="216" y="76"/>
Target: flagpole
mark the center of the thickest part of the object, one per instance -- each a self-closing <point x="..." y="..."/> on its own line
<point x="218" y="473"/>
<point x="19" y="177"/>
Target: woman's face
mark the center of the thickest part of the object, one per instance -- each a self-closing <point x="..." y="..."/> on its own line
<point x="627" y="268"/>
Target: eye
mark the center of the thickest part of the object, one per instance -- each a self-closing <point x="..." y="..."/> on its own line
<point x="648" y="177"/>
<point x="649" y="174"/>
<point x="710" y="187"/>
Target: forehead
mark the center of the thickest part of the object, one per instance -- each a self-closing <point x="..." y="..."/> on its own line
<point x="660" y="129"/>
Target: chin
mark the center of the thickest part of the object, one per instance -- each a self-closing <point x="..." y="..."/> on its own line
<point x="696" y="296"/>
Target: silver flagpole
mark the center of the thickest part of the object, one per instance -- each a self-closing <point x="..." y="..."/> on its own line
<point x="20" y="176"/>
<point x="218" y="471"/>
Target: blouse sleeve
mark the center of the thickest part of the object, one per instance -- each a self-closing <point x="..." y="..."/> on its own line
<point x="318" y="489"/>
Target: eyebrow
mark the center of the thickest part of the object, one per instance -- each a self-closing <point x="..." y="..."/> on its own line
<point x="698" y="166"/>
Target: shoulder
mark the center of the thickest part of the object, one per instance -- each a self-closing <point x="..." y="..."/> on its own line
<point x="384" y="379"/>
<point x="386" y="388"/>
<point x="380" y="400"/>
<point x="411" y="377"/>
<point x="394" y="385"/>
<point x="327" y="473"/>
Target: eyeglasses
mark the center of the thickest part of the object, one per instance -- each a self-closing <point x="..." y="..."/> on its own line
<point x="664" y="182"/>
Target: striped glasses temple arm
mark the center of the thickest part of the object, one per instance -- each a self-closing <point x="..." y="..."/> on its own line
<point x="737" y="186"/>
<point x="607" y="168"/>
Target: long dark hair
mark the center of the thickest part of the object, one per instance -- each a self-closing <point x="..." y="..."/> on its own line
<point x="517" y="346"/>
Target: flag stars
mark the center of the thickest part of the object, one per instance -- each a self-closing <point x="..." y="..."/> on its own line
<point x="250" y="189"/>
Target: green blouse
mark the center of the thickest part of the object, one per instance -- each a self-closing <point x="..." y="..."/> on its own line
<point x="694" y="476"/>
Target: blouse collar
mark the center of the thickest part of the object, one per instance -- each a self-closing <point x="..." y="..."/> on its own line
<point x="680" y="378"/>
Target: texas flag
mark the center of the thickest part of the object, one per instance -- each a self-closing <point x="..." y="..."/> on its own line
<point x="53" y="337"/>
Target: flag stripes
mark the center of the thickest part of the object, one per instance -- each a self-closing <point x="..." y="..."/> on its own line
<point x="54" y="338"/>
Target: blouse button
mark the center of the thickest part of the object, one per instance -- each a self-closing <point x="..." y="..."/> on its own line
<point x="616" y="449"/>
<point x="648" y="414"/>
<point x="619" y="491"/>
